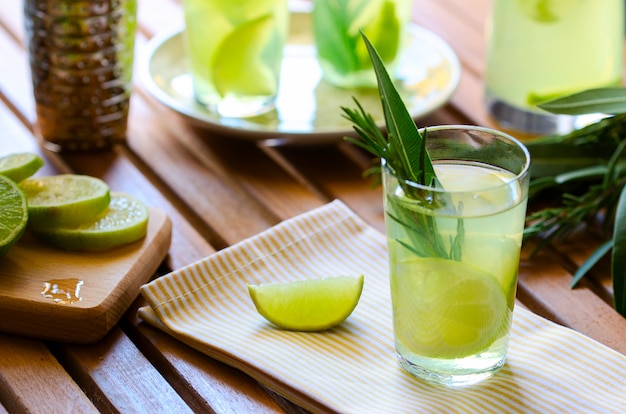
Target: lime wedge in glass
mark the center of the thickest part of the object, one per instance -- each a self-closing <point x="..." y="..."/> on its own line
<point x="123" y="222"/>
<point x="308" y="305"/>
<point x="13" y="214"/>
<point x="238" y="66"/>
<point x="20" y="166"/>
<point x="449" y="309"/>
<point x="64" y="200"/>
<point x="383" y="31"/>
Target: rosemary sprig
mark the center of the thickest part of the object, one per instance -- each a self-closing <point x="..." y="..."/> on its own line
<point x="404" y="152"/>
<point x="586" y="171"/>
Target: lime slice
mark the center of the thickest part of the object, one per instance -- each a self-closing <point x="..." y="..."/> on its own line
<point x="238" y="67"/>
<point x="13" y="214"/>
<point x="384" y="33"/>
<point x="64" y="200"/>
<point x="123" y="222"/>
<point x="447" y="309"/>
<point x="20" y="166"/>
<point x="308" y="305"/>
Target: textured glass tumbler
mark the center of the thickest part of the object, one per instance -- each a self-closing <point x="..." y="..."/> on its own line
<point x="81" y="57"/>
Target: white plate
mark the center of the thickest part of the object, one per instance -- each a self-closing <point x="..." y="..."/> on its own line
<point x="307" y="107"/>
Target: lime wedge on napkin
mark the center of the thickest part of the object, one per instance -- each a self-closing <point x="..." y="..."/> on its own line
<point x="308" y="305"/>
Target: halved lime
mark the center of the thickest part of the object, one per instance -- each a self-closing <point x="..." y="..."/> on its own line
<point x="238" y="66"/>
<point x="13" y="214"/>
<point x="64" y="200"/>
<point x="308" y="305"/>
<point x="124" y="221"/>
<point x="447" y="309"/>
<point x="20" y="166"/>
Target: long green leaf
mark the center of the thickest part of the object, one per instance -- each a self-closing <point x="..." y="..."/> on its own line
<point x="618" y="256"/>
<point x="403" y="135"/>
<point x="591" y="262"/>
<point x="600" y="100"/>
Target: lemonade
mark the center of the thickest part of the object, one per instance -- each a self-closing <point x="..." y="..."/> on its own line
<point x="454" y="255"/>
<point x="235" y="52"/>
<point x="341" y="52"/>
<point x="543" y="49"/>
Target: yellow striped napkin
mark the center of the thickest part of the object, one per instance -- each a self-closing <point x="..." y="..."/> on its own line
<point x="353" y="368"/>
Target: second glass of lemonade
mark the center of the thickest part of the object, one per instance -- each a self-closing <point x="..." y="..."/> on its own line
<point x="543" y="49"/>
<point x="454" y="251"/>
<point x="341" y="52"/>
<point x="235" y="50"/>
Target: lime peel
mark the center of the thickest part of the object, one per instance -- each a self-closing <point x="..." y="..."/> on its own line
<point x="64" y="200"/>
<point x="308" y="305"/>
<point x="19" y="166"/>
<point x="124" y="221"/>
<point x="13" y="214"/>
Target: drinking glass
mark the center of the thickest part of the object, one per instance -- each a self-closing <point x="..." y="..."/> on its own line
<point x="454" y="252"/>
<point x="341" y="52"/>
<point x="543" y="49"/>
<point x="235" y="50"/>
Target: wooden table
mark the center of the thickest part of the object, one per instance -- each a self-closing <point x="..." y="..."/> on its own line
<point x="217" y="192"/>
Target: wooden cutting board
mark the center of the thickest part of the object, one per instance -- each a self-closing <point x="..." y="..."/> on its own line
<point x="77" y="297"/>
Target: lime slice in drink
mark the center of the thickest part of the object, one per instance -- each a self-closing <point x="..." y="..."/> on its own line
<point x="448" y="309"/>
<point x="13" y="214"/>
<point x="124" y="221"/>
<point x="384" y="33"/>
<point x="238" y="67"/>
<point x="64" y="200"/>
<point x="308" y="305"/>
<point x="20" y="166"/>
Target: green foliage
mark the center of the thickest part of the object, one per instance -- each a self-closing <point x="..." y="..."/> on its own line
<point x="405" y="154"/>
<point x="586" y="171"/>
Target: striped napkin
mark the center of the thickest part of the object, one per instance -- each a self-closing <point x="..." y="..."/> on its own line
<point x="353" y="368"/>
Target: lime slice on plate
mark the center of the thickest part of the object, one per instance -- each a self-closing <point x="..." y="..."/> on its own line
<point x="124" y="221"/>
<point x="64" y="200"/>
<point x="238" y="67"/>
<point x="308" y="305"/>
<point x="447" y="309"/>
<point x="13" y="214"/>
<point x="20" y="166"/>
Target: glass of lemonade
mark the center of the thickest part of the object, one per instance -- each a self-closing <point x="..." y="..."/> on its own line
<point x="235" y="50"/>
<point x="454" y="252"/>
<point x="341" y="52"/>
<point x="543" y="49"/>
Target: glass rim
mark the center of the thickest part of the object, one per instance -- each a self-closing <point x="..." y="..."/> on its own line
<point x="503" y="135"/>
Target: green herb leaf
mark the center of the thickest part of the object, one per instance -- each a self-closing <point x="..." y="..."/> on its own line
<point x="618" y="256"/>
<point x="407" y="155"/>
<point x="591" y="262"/>
<point x="404" y="152"/>
<point x="600" y="100"/>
